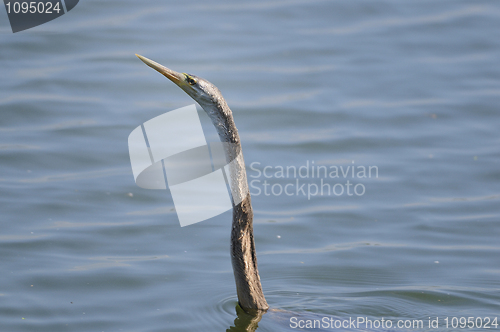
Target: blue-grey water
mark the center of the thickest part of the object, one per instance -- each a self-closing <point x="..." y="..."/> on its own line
<point x="410" y="89"/>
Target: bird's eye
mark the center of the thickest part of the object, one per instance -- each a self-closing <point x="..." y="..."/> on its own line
<point x="190" y="80"/>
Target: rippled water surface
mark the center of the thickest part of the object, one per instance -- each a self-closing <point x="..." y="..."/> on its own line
<point x="409" y="90"/>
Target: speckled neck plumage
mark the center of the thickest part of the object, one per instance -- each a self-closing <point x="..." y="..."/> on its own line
<point x="243" y="257"/>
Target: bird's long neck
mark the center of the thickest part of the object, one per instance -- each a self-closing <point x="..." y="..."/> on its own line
<point x="243" y="257"/>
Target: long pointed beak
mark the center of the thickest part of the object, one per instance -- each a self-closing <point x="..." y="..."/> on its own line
<point x="174" y="76"/>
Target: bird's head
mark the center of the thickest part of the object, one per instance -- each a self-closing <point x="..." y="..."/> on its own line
<point x="201" y="90"/>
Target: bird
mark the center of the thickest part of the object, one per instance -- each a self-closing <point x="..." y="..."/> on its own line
<point x="243" y="256"/>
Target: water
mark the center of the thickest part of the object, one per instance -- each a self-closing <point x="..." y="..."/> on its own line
<point x="412" y="89"/>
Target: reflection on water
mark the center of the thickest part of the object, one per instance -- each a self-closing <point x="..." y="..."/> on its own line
<point x="245" y="322"/>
